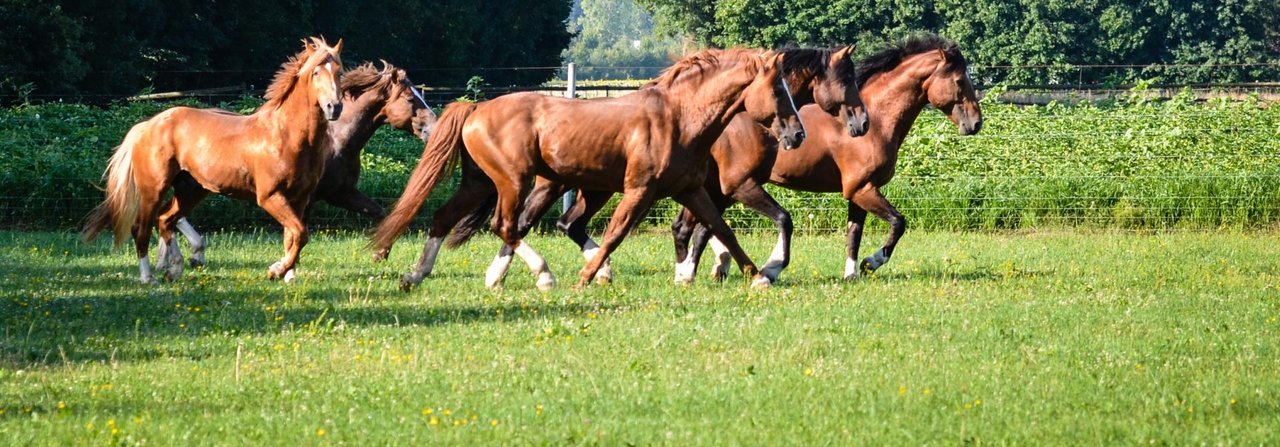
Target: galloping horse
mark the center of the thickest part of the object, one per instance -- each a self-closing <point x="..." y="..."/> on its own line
<point x="276" y="156"/>
<point x="834" y="89"/>
<point x="649" y="144"/>
<point x="897" y="83"/>
<point x="823" y="76"/>
<point x="370" y="98"/>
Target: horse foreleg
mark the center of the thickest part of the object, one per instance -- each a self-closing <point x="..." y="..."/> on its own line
<point x="873" y="201"/>
<point x="573" y="223"/>
<point x="689" y="238"/>
<point x="295" y="235"/>
<point x="699" y="203"/>
<point x="633" y="207"/>
<point x="187" y="193"/>
<point x="507" y="227"/>
<point x="856" y="218"/>
<point x="756" y="198"/>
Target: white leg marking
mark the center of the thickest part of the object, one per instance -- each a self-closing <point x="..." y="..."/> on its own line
<point x="144" y="268"/>
<point x="497" y="271"/>
<point x="686" y="269"/>
<point x="195" y="239"/>
<point x="162" y="255"/>
<point x="537" y="265"/>
<point x="761" y="282"/>
<point x="589" y="250"/>
<point x="777" y="260"/>
<point x="720" y="270"/>
<point x="289" y="275"/>
<point x="850" y="269"/>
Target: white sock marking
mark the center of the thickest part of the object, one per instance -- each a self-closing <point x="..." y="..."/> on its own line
<point x="721" y="266"/>
<point x="686" y="269"/>
<point x="537" y="265"/>
<point x="497" y="271"/>
<point x="144" y="268"/>
<point x="850" y="268"/>
<point x="777" y="259"/>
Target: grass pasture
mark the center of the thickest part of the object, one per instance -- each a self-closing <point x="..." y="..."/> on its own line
<point x="1057" y="337"/>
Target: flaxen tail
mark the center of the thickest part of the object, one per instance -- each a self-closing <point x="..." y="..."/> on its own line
<point x="120" y="210"/>
<point x="438" y="160"/>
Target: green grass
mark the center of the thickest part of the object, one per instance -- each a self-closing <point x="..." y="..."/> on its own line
<point x="1066" y="337"/>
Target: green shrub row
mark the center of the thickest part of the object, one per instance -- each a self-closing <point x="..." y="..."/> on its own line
<point x="1124" y="163"/>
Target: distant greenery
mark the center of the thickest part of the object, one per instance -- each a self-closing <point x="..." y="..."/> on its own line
<point x="1048" y="338"/>
<point x="1021" y="32"/>
<point x="102" y="50"/>
<point x="614" y="39"/>
<point x="1128" y="163"/>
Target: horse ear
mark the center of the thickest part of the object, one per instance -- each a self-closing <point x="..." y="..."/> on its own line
<point x="337" y="48"/>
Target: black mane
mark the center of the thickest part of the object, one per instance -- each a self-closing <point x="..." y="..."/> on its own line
<point x="890" y="57"/>
<point x="816" y="61"/>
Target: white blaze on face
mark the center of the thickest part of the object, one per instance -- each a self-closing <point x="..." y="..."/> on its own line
<point x="792" y="101"/>
<point x="417" y="94"/>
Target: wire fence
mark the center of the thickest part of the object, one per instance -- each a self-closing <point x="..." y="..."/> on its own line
<point x="1037" y="164"/>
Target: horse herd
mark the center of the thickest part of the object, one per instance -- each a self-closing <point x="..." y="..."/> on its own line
<point x="705" y="133"/>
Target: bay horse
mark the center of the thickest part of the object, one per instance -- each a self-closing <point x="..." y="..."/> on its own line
<point x="897" y="83"/>
<point x="275" y="156"/>
<point x="823" y="76"/>
<point x="371" y="97"/>
<point x="826" y="77"/>
<point x="648" y="145"/>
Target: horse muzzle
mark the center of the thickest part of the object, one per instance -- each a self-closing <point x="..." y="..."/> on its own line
<point x="858" y="124"/>
<point x="333" y="110"/>
<point x="970" y="126"/>
<point x="792" y="140"/>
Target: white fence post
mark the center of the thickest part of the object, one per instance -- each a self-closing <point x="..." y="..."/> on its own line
<point x="569" y="92"/>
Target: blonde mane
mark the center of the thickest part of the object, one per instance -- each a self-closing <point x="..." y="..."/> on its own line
<point x="287" y="77"/>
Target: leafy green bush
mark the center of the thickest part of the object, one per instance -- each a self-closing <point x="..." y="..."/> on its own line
<point x="1129" y="163"/>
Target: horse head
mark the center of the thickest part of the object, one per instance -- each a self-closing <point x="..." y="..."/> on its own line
<point x="950" y="89"/>
<point x="769" y="98"/>
<point x="323" y="68"/>
<point x="405" y="107"/>
<point x="838" y="92"/>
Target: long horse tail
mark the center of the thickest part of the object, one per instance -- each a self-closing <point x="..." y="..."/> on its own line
<point x="120" y="209"/>
<point x="438" y="160"/>
<point x="472" y="223"/>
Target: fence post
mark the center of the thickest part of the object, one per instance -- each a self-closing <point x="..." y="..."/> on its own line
<point x="569" y="92"/>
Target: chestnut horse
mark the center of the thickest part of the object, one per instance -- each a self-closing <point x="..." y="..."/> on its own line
<point x="830" y="81"/>
<point x="370" y="98"/>
<point x="897" y="84"/>
<point x="824" y="76"/>
<point x="649" y="144"/>
<point x="276" y="156"/>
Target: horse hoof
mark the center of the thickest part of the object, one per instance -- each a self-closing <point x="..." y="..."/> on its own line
<point x="380" y="255"/>
<point x="289" y="276"/>
<point x="866" y="267"/>
<point x="196" y="263"/>
<point x="719" y="276"/>
<point x="851" y="277"/>
<point x="761" y="282"/>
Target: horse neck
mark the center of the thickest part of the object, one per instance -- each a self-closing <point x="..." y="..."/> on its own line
<point x="303" y="123"/>
<point x="705" y="112"/>
<point x="355" y="127"/>
<point x="896" y="100"/>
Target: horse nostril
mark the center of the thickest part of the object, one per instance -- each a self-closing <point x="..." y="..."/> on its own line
<point x="800" y="135"/>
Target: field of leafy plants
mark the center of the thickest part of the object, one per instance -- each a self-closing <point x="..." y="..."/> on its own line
<point x="1126" y="163"/>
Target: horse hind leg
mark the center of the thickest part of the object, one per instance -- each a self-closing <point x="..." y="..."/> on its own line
<point x="574" y="224"/>
<point x="698" y="202"/>
<point x="756" y="198"/>
<point x="856" y="218"/>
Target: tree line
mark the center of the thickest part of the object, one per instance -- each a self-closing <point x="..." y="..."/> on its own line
<point x="98" y="50"/>
<point x="1229" y="40"/>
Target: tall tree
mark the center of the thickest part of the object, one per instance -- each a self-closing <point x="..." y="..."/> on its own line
<point x="615" y="39"/>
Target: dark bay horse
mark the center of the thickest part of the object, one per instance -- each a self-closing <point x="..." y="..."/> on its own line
<point x="823" y="76"/>
<point x="648" y="145"/>
<point x="275" y="156"/>
<point x="371" y="97"/>
<point x="834" y="90"/>
<point x="897" y="83"/>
